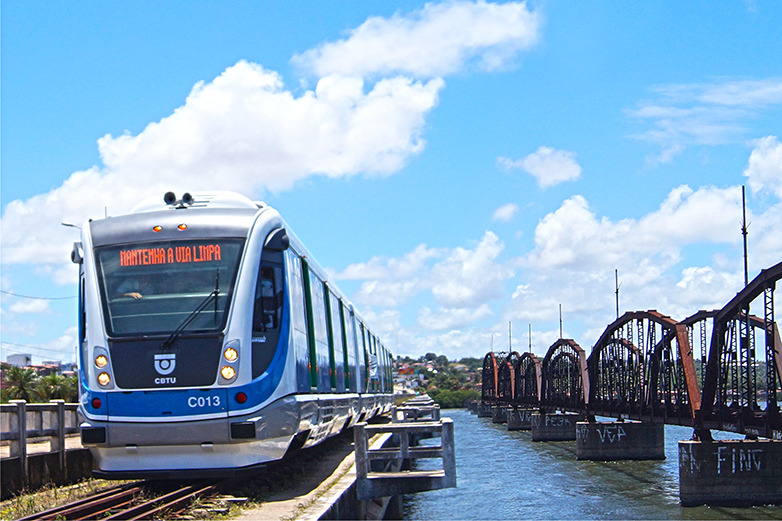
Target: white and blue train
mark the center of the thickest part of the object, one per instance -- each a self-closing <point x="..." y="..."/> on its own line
<point x="211" y="341"/>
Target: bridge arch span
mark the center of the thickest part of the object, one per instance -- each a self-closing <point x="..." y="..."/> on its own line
<point x="528" y="376"/>
<point x="506" y="381"/>
<point x="741" y="347"/>
<point x="642" y="368"/>
<point x="565" y="382"/>
<point x="489" y="378"/>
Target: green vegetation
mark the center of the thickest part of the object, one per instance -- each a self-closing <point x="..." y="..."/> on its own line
<point x="449" y="384"/>
<point x="21" y="383"/>
<point x="453" y="399"/>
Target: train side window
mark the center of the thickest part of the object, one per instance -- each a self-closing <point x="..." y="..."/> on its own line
<point x="268" y="300"/>
<point x="82" y="310"/>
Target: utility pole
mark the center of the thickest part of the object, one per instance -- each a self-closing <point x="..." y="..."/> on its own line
<point x="560" y="321"/>
<point x="510" y="343"/>
<point x="744" y="233"/>
<point x="530" y="338"/>
<point x="616" y="276"/>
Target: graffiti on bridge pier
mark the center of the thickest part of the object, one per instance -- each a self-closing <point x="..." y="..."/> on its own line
<point x="610" y="433"/>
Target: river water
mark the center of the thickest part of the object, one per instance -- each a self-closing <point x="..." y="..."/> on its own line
<point x="503" y="474"/>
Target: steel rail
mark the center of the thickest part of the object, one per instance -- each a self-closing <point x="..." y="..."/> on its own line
<point x="87" y="507"/>
<point x="171" y="502"/>
<point x="121" y="503"/>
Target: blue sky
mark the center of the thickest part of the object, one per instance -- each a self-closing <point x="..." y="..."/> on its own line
<point x="456" y="166"/>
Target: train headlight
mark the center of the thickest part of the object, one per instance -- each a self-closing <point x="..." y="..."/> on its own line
<point x="101" y="361"/>
<point x="228" y="372"/>
<point x="104" y="379"/>
<point x="230" y="354"/>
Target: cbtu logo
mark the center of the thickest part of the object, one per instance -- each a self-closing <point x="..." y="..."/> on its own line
<point x="165" y="363"/>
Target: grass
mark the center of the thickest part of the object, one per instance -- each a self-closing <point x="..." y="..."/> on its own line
<point x="51" y="496"/>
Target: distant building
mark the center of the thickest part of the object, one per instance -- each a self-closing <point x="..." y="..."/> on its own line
<point x="20" y="360"/>
<point x="46" y="369"/>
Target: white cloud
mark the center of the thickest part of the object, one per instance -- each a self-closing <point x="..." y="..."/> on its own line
<point x="547" y="165"/>
<point x="455" y="344"/>
<point x="30" y="307"/>
<point x="764" y="168"/>
<point x="387" y="293"/>
<point x="703" y="113"/>
<point x="246" y="131"/>
<point x="449" y="318"/>
<point x="437" y="40"/>
<point x="505" y="212"/>
<point x="462" y="281"/>
<point x="699" y="285"/>
<point x="377" y="267"/>
<point x="573" y="236"/>
<point x="468" y="278"/>
<point x="67" y="340"/>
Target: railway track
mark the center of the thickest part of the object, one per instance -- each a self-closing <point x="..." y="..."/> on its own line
<point x="130" y="501"/>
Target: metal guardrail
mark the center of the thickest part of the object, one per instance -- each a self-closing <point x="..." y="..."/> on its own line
<point x="404" y="414"/>
<point x="410" y="424"/>
<point x="21" y="421"/>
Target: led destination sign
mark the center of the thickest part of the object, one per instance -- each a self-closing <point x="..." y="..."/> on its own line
<point x="171" y="255"/>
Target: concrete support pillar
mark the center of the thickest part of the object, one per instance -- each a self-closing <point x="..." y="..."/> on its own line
<point x="730" y="472"/>
<point x="555" y="427"/>
<point x="18" y="446"/>
<point x="499" y="414"/>
<point x="620" y="440"/>
<point x="520" y="419"/>
<point x="484" y="410"/>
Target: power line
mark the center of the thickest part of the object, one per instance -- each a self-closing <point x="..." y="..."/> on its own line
<point x="36" y="298"/>
<point x="49" y="349"/>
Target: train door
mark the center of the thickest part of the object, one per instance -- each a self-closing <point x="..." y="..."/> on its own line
<point x="318" y="338"/>
<point x="345" y="348"/>
<point x="361" y="364"/>
<point x="363" y="357"/>
<point x="330" y="335"/>
<point x="350" y="347"/>
<point x="336" y="345"/>
<point x="299" y="322"/>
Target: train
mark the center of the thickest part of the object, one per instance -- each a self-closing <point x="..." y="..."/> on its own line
<point x="211" y="341"/>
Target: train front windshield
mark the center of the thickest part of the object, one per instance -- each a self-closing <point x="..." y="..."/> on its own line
<point x="162" y="287"/>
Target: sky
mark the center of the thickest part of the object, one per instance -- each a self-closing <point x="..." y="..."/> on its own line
<point x="462" y="169"/>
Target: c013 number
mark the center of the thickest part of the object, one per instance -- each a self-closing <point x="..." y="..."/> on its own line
<point x="203" y="401"/>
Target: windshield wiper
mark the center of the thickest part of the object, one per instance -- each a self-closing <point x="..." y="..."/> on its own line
<point x="168" y="342"/>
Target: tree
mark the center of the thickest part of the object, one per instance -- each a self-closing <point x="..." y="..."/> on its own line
<point x="473" y="364"/>
<point x="19" y="383"/>
<point x="56" y="387"/>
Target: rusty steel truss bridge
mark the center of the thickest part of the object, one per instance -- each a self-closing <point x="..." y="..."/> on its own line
<point x="716" y="369"/>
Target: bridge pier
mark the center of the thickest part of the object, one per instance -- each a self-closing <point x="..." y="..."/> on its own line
<point x="620" y="440"/>
<point x="520" y="419"/>
<point x="555" y="426"/>
<point x="499" y="414"/>
<point x="484" y="410"/>
<point x="730" y="472"/>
